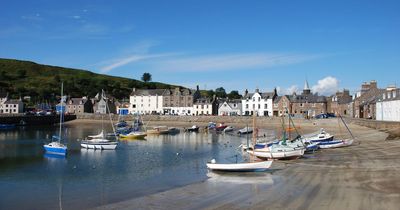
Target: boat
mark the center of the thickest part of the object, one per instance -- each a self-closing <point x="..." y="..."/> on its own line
<point x="220" y="127"/>
<point x="7" y="126"/>
<point x="338" y="142"/>
<point x="318" y="137"/>
<point x="228" y="129"/>
<point x="173" y="130"/>
<point x="55" y="146"/>
<point x="121" y="124"/>
<point x="245" y="130"/>
<point x="280" y="153"/>
<point x="239" y="167"/>
<point x="211" y="125"/>
<point x="158" y="130"/>
<point x="251" y="166"/>
<point x="100" y="141"/>
<point x="133" y="135"/>
<point x="335" y="143"/>
<point x="99" y="145"/>
<point x="194" y="128"/>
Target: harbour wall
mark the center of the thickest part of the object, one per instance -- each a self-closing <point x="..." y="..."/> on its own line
<point x="19" y="119"/>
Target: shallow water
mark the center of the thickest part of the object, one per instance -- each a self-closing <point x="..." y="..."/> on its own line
<point x="29" y="179"/>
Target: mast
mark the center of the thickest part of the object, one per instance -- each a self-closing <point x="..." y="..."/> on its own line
<point x="254" y="132"/>
<point x="346" y="126"/>
<point x="62" y="112"/>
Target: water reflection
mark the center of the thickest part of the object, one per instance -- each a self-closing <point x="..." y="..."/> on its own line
<point x="89" y="178"/>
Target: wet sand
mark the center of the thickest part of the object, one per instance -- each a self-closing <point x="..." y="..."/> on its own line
<point x="362" y="176"/>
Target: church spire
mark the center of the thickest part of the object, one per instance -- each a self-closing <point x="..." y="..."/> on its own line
<point x="306" y="89"/>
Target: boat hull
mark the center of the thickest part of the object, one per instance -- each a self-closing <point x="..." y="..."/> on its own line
<point x="335" y="144"/>
<point x="100" y="146"/>
<point x="240" y="167"/>
<point x="55" y="150"/>
<point x="281" y="155"/>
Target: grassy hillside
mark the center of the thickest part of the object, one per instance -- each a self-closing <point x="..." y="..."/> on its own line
<point x="42" y="82"/>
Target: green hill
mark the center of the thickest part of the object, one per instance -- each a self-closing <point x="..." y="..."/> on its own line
<point x="42" y="82"/>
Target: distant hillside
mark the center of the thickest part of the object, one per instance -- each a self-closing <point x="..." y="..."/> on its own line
<point x="42" y="82"/>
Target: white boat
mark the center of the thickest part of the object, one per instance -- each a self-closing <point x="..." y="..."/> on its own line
<point x="99" y="142"/>
<point x="56" y="147"/>
<point x="318" y="137"/>
<point x="98" y="136"/>
<point x="99" y="145"/>
<point x="335" y="143"/>
<point x="245" y="130"/>
<point x="277" y="151"/>
<point x="228" y="129"/>
<point x="239" y="167"/>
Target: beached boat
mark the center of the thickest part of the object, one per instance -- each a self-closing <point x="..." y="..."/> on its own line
<point x="56" y="147"/>
<point x="245" y="130"/>
<point x="158" y="130"/>
<point x="277" y="152"/>
<point x="194" y="128"/>
<point x="335" y="143"/>
<point x="173" y="130"/>
<point x="220" y="127"/>
<point x="321" y="136"/>
<point x="228" y="129"/>
<point x="239" y="167"/>
<point x="338" y="143"/>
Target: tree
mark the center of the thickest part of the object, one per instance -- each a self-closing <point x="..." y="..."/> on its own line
<point x="220" y="92"/>
<point x="234" y="94"/>
<point x="146" y="77"/>
<point x="21" y="73"/>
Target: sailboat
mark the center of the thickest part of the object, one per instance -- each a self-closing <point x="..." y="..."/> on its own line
<point x="55" y="146"/>
<point x="338" y="142"/>
<point x="99" y="141"/>
<point x="280" y="150"/>
<point x="241" y="167"/>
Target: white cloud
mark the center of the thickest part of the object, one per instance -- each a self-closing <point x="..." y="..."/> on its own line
<point x="326" y="86"/>
<point x="287" y="91"/>
<point x="224" y="62"/>
<point x="130" y="59"/>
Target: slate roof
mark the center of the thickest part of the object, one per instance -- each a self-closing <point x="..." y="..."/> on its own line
<point x="12" y="101"/>
<point x="76" y="101"/>
<point x="308" y="98"/>
<point x="389" y="95"/>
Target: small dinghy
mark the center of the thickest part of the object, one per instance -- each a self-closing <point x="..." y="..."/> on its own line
<point x="239" y="167"/>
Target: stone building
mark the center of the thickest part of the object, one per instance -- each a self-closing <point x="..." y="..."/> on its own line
<point x="79" y="106"/>
<point x="205" y="106"/>
<point x="340" y="103"/>
<point x="306" y="104"/>
<point x="364" y="105"/>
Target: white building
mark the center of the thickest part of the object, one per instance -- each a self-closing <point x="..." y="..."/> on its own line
<point x="12" y="107"/>
<point x="146" y="101"/>
<point x="261" y="103"/>
<point x="230" y="108"/>
<point x="388" y="106"/>
<point x="203" y="106"/>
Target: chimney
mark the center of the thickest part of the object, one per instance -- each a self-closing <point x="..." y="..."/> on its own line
<point x="373" y="84"/>
<point x="246" y="92"/>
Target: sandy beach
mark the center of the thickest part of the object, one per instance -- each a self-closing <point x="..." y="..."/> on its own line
<point x="362" y="176"/>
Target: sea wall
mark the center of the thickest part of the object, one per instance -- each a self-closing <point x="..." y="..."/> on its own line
<point x="20" y="119"/>
<point x="393" y="128"/>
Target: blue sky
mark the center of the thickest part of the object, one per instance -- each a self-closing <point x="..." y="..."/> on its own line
<point x="233" y="44"/>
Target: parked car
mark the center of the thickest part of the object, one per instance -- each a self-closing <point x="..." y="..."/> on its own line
<point x="321" y="116"/>
<point x="331" y="115"/>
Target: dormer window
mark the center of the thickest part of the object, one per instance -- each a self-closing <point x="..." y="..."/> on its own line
<point x="384" y="96"/>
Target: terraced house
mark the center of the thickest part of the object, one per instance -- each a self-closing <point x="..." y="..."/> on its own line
<point x="178" y="101"/>
<point x="258" y="102"/>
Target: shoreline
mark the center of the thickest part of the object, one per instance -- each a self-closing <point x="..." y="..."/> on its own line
<point x="362" y="176"/>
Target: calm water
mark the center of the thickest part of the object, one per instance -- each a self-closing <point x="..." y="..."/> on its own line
<point x="86" y="178"/>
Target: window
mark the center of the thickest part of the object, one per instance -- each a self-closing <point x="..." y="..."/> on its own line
<point x="384" y="96"/>
<point x="389" y="95"/>
<point x="247" y="106"/>
<point x="224" y="105"/>
<point x="301" y="104"/>
<point x="254" y="106"/>
<point x="265" y="106"/>
<point x="254" y="98"/>
<point x="16" y="105"/>
<point x="259" y="106"/>
<point x="133" y="105"/>
<point x="259" y="99"/>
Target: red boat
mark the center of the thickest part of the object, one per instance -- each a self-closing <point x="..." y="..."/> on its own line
<point x="221" y="127"/>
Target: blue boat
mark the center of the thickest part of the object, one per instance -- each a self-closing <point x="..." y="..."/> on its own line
<point x="56" y="147"/>
<point x="7" y="126"/>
